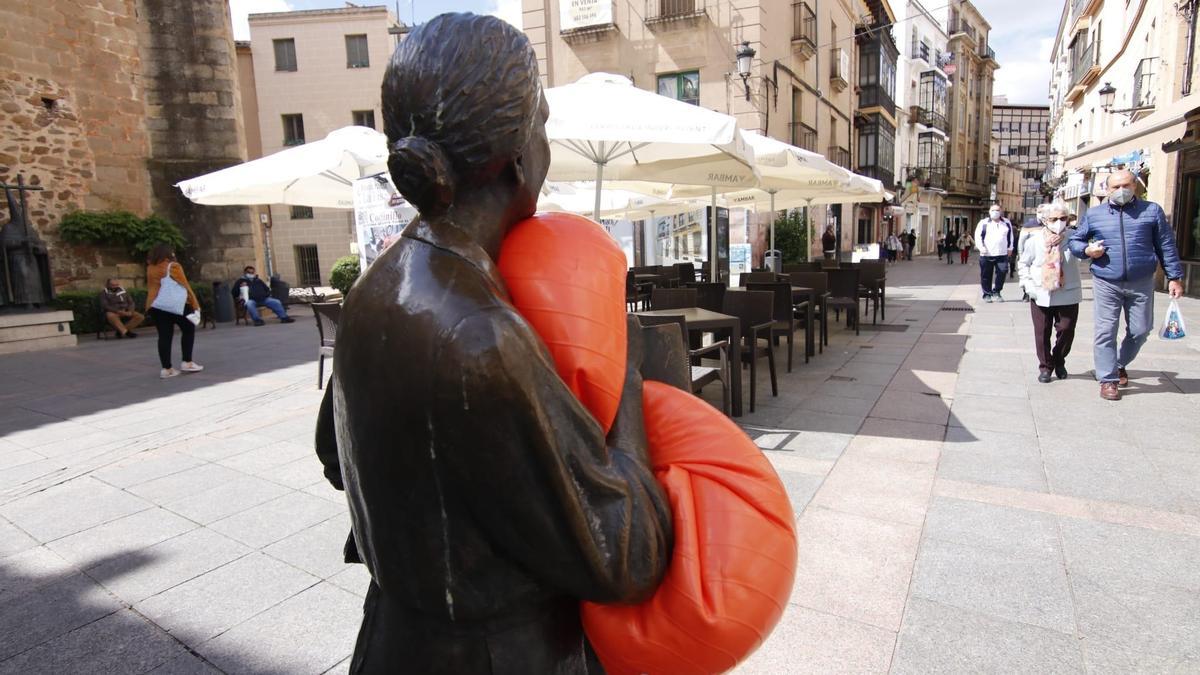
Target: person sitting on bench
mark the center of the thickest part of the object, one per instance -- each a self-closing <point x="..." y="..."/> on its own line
<point x="118" y="309"/>
<point x="258" y="293"/>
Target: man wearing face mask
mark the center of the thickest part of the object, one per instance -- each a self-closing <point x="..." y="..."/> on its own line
<point x="1126" y="239"/>
<point x="994" y="237"/>
<point x="257" y="293"/>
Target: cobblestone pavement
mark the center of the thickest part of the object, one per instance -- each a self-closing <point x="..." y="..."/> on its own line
<point x="954" y="514"/>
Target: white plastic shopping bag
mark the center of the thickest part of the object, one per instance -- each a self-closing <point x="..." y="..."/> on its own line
<point x="1173" y="327"/>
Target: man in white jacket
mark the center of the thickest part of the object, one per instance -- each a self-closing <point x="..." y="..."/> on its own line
<point x="994" y="238"/>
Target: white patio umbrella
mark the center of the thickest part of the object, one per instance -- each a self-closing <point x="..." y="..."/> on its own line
<point x="603" y="128"/>
<point x="581" y="197"/>
<point x="321" y="173"/>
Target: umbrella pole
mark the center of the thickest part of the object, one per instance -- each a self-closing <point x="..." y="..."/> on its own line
<point x="808" y="226"/>
<point x="772" y="193"/>
<point x="599" y="182"/>
<point x="712" y="241"/>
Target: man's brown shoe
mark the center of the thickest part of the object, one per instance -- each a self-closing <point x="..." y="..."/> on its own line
<point x="1122" y="377"/>
<point x="1109" y="391"/>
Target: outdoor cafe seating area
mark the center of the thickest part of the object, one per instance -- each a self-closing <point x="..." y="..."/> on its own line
<point x="731" y="331"/>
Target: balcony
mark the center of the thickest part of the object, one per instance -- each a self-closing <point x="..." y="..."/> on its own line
<point x="1143" y="83"/>
<point x="931" y="178"/>
<point x="1084" y="8"/>
<point x="875" y="96"/>
<point x="804" y="30"/>
<point x="839" y="69"/>
<point x="668" y="14"/>
<point x="883" y="174"/>
<point x="804" y="136"/>
<point x="839" y="155"/>
<point x="921" y="51"/>
<point x="1085" y="68"/>
<point x="986" y="52"/>
<point x="964" y="28"/>
<point x="930" y="118"/>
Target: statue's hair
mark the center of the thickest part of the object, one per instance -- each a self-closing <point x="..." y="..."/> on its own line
<point x="460" y="96"/>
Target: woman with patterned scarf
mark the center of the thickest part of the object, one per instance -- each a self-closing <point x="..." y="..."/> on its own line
<point x="1050" y="276"/>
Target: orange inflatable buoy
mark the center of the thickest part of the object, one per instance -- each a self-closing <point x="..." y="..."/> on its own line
<point x="734" y="560"/>
<point x="566" y="276"/>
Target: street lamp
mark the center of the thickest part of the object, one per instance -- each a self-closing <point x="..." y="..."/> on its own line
<point x="1108" y="95"/>
<point x="745" y="54"/>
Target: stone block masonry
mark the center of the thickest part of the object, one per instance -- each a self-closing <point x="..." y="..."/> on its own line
<point x="108" y="103"/>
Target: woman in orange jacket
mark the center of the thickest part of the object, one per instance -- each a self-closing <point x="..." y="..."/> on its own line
<point x="164" y="272"/>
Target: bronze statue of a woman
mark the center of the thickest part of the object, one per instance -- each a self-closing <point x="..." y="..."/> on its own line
<point x="485" y="500"/>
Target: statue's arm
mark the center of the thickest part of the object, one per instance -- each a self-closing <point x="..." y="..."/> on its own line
<point x="582" y="513"/>
<point x="326" y="439"/>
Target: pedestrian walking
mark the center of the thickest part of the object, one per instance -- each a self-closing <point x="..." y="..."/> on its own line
<point x="995" y="239"/>
<point x="1127" y="239"/>
<point x="910" y="243"/>
<point x="941" y="245"/>
<point x="965" y="243"/>
<point x="951" y="246"/>
<point x="893" y="247"/>
<point x="170" y="299"/>
<point x="1050" y="277"/>
<point x="1027" y="229"/>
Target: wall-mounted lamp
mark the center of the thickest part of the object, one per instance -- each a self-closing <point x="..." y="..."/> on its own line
<point x="745" y="55"/>
<point x="1108" y="95"/>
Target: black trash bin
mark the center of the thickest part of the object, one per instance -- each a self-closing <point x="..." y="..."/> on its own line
<point x="222" y="302"/>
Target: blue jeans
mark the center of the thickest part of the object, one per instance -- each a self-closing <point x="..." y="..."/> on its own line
<point x="992" y="271"/>
<point x="1134" y="299"/>
<point x="271" y="303"/>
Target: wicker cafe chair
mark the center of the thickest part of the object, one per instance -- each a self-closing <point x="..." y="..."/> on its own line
<point x="700" y="374"/>
<point x="820" y="285"/>
<point x="635" y="293"/>
<point x="843" y="293"/>
<point x="784" y="313"/>
<point x="327" y="315"/>
<point x="672" y="298"/>
<point x="754" y="311"/>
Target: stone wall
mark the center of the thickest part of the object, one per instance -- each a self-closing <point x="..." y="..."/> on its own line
<point x="72" y="118"/>
<point x="193" y="109"/>
<point x="107" y="104"/>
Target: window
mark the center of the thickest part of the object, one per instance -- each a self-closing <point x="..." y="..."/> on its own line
<point x="356" y="52"/>
<point x="681" y="86"/>
<point x="931" y="152"/>
<point x="364" y="118"/>
<point x="293" y="129"/>
<point x="308" y="267"/>
<point x="302" y="212"/>
<point x="285" y="54"/>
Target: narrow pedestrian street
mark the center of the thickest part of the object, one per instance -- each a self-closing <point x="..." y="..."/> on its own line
<point x="954" y="515"/>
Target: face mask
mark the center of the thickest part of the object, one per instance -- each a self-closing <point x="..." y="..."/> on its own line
<point x="1056" y="226"/>
<point x="250" y="276"/>
<point x="1121" y="196"/>
<point x="994" y="214"/>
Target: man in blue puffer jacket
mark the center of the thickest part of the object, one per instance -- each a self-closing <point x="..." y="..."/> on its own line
<point x="1127" y="239"/>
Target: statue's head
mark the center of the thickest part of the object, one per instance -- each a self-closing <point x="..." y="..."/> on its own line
<point x="463" y="110"/>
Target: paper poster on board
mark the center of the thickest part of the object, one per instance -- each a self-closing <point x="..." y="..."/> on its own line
<point x="574" y="14"/>
<point x="380" y="214"/>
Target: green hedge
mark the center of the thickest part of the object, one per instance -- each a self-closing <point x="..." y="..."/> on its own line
<point x="85" y="306"/>
<point x="120" y="228"/>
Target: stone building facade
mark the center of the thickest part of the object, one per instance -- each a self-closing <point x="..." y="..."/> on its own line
<point x="803" y="79"/>
<point x="107" y="104"/>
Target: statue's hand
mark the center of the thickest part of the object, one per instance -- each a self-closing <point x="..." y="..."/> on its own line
<point x="629" y="428"/>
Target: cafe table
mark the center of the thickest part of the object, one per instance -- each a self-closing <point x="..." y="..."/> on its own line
<point x="706" y="321"/>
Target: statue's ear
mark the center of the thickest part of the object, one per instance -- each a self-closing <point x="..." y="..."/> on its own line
<point x="517" y="166"/>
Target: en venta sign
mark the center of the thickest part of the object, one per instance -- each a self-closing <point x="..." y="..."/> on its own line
<point x="584" y="13"/>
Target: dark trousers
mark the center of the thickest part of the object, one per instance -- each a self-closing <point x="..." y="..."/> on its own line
<point x="1061" y="320"/>
<point x="992" y="271"/>
<point x="165" y="322"/>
